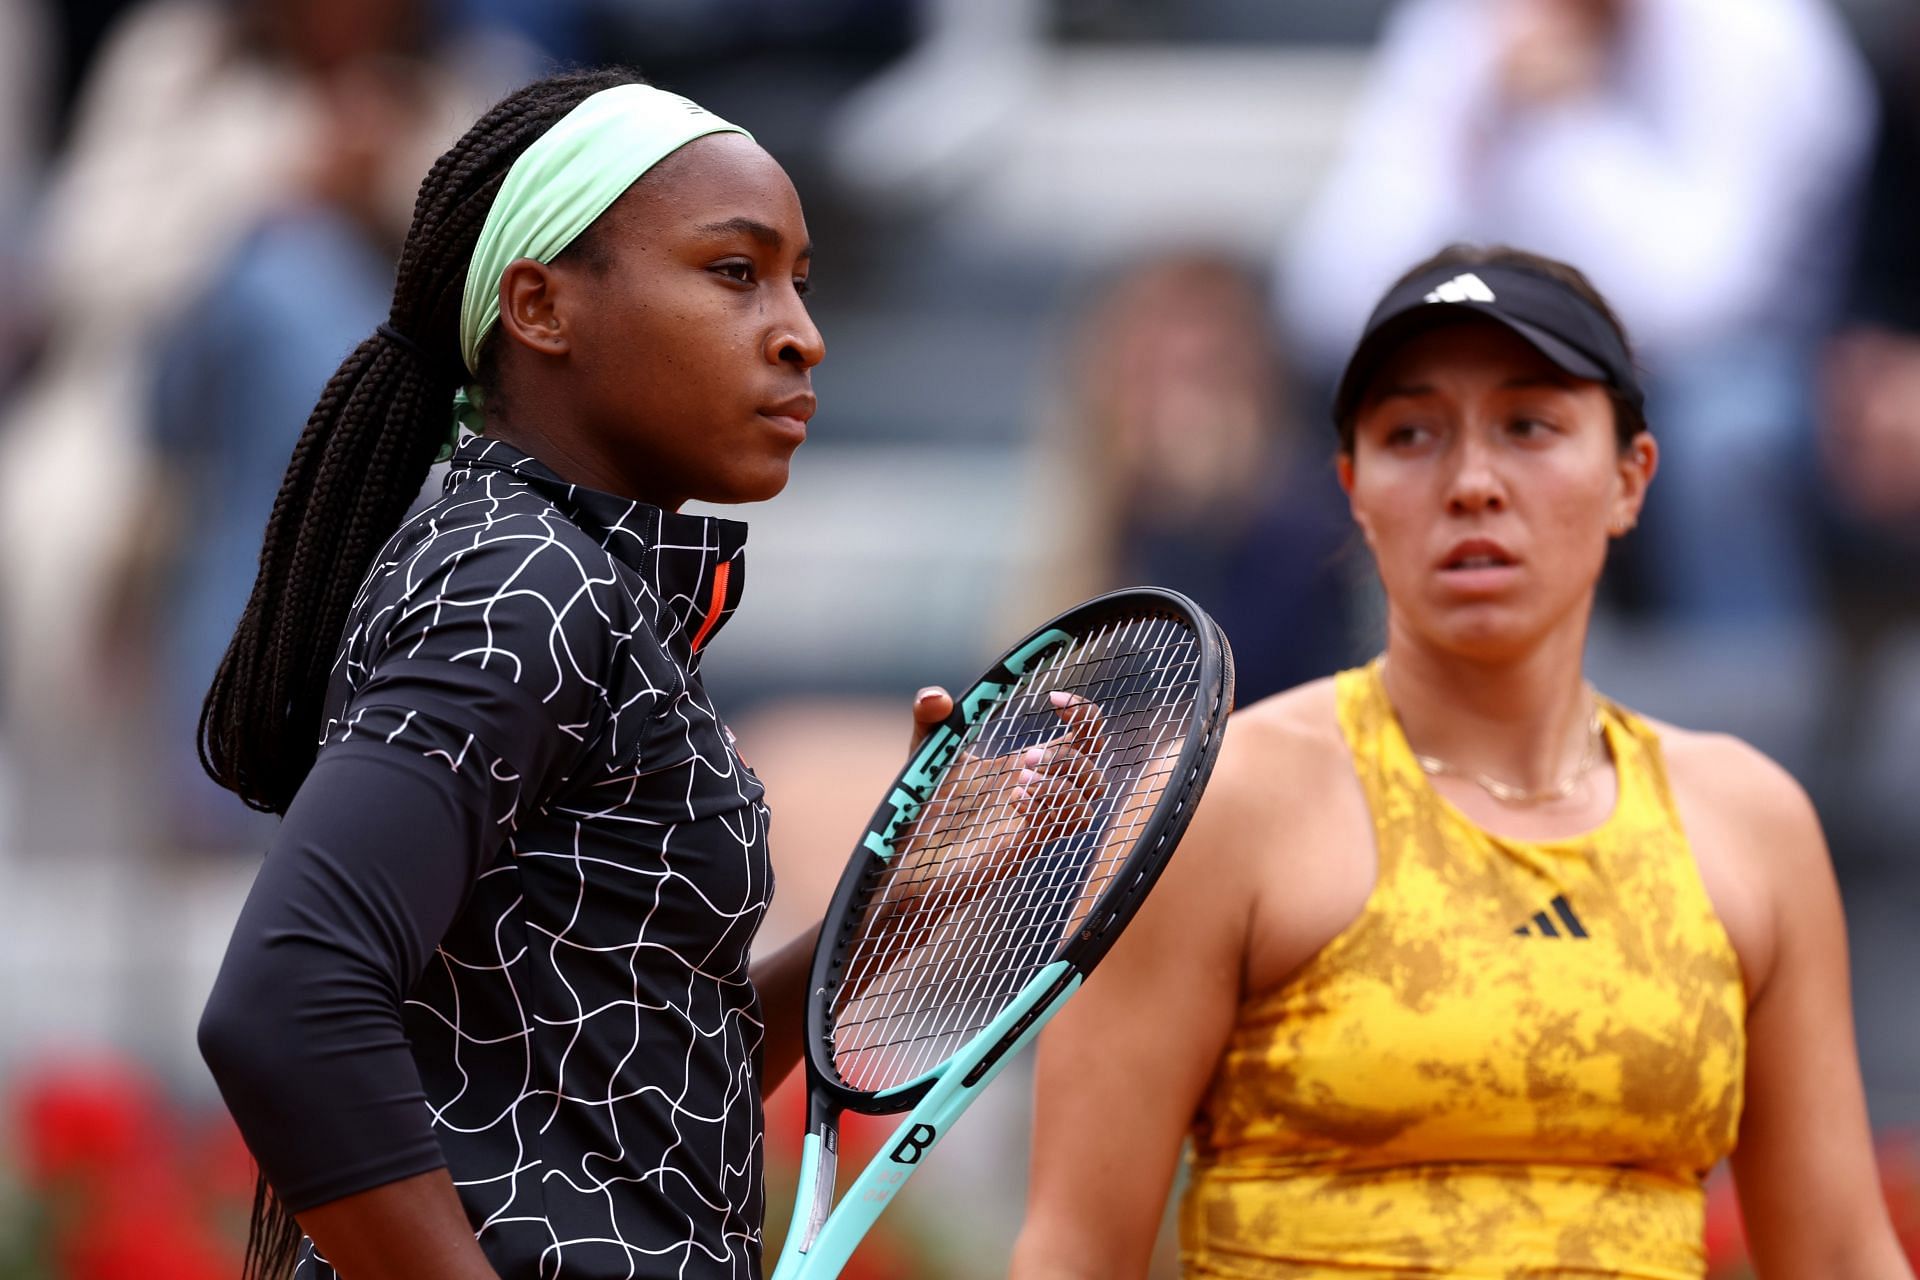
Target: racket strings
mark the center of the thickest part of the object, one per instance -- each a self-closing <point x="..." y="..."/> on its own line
<point x="991" y="826"/>
<point x="975" y="901"/>
<point x="1130" y="735"/>
<point x="965" y="986"/>
<point x="1032" y="910"/>
<point x="933" y="863"/>
<point x="907" y="879"/>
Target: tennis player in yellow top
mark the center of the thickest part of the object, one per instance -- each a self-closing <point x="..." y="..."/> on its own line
<point x="1464" y="970"/>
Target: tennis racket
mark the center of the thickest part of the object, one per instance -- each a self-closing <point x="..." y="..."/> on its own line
<point x="1019" y="840"/>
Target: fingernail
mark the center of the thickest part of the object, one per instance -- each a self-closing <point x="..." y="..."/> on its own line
<point x="1019" y="795"/>
<point x="1034" y="758"/>
<point x="929" y="692"/>
<point x="1059" y="697"/>
<point x="1029" y="777"/>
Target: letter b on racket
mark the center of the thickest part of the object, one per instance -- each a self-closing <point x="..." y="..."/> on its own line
<point x="918" y="1139"/>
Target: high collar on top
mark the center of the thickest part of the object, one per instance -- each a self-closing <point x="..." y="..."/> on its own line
<point x="694" y="565"/>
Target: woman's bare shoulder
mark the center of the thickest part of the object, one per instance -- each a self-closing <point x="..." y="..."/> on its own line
<point x="1302" y="724"/>
<point x="1282" y="758"/>
<point x="1754" y="835"/>
<point x="1279" y="752"/>
<point x="1757" y="839"/>
<point x="1732" y="780"/>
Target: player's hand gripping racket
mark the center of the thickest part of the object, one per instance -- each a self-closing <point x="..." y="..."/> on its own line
<point x="1019" y="840"/>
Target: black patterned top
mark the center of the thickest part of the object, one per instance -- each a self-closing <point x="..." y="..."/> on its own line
<point x="527" y="820"/>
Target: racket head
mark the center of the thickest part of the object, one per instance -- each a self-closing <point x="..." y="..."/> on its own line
<point x="880" y="1023"/>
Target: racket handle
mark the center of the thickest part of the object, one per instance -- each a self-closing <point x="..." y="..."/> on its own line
<point x="819" y="1163"/>
<point x="961" y="1080"/>
<point x="813" y="1196"/>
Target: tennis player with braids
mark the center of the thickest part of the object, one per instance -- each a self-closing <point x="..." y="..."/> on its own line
<point x="1464" y="970"/>
<point x="487" y="1010"/>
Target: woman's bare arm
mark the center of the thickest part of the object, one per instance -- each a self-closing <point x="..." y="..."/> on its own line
<point x="781" y="981"/>
<point x="401" y="1231"/>
<point x="1804" y="1164"/>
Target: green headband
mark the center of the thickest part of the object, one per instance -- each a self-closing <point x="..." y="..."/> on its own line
<point x="566" y="179"/>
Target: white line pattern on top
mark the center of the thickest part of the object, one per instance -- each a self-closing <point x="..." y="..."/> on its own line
<point x="586" y="1031"/>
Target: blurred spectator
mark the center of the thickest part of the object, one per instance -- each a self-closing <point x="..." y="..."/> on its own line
<point x="1870" y="451"/>
<point x="1180" y="463"/>
<point x="1872" y="447"/>
<point x="237" y="379"/>
<point x="1871" y="437"/>
<point x="25" y="52"/>
<point x="25" y="49"/>
<point x="1699" y="159"/>
<point x="81" y="27"/>
<point x="202" y="119"/>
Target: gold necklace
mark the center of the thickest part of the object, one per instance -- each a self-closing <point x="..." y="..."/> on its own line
<point x="1506" y="792"/>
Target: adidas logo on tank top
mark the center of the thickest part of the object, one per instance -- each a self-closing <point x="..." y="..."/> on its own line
<point x="1542" y="925"/>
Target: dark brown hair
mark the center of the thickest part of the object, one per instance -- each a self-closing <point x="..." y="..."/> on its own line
<point x="1629" y="417"/>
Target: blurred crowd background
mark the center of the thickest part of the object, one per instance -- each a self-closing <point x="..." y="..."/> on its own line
<point x="1086" y="269"/>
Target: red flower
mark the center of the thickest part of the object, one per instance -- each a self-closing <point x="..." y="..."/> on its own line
<point x="154" y="1242"/>
<point x="1900" y="1176"/>
<point x="1726" y="1233"/>
<point x="85" y="1119"/>
<point x="121" y="1194"/>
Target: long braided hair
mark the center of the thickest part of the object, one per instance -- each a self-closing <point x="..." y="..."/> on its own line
<point x="360" y="461"/>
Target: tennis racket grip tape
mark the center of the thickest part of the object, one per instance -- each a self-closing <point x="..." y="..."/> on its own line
<point x="828" y="1241"/>
<point x="819" y="1164"/>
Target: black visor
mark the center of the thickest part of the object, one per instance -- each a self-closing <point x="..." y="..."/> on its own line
<point x="1556" y="321"/>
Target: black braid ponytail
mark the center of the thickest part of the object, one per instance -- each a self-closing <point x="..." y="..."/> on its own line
<point x="359" y="463"/>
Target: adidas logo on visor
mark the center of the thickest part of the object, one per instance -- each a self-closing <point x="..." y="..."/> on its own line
<point x="1462" y="288"/>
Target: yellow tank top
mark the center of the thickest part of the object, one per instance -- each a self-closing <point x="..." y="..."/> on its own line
<point x="1520" y="1060"/>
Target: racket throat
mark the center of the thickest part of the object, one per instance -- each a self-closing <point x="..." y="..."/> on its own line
<point x="824" y="1138"/>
